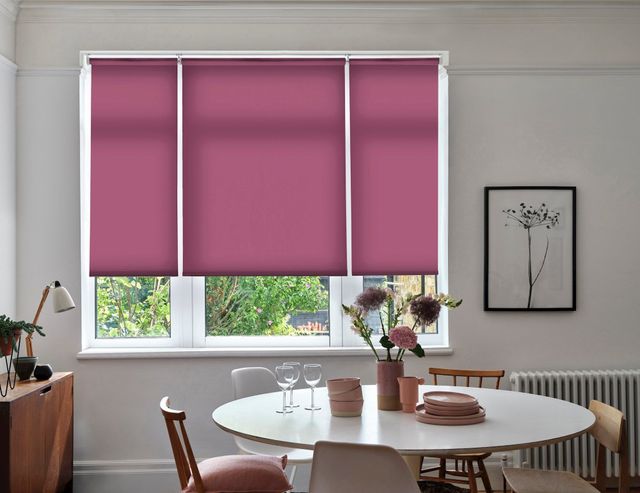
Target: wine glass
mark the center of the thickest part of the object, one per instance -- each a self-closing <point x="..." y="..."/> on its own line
<point x="312" y="375"/>
<point x="284" y="377"/>
<point x="296" y="376"/>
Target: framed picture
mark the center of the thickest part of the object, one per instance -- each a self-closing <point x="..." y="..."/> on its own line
<point x="529" y="248"/>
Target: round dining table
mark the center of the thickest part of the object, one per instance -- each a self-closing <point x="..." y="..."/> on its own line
<point x="514" y="420"/>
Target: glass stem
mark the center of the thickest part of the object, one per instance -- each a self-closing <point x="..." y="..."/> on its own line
<point x="291" y="397"/>
<point x="284" y="400"/>
<point x="312" y="402"/>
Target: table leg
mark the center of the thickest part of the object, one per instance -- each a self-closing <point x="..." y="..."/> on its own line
<point x="414" y="462"/>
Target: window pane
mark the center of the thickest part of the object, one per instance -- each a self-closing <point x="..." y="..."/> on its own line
<point x="281" y="305"/>
<point x="128" y="307"/>
<point x="402" y="285"/>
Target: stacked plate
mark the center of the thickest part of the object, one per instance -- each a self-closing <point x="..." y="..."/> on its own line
<point x="449" y="408"/>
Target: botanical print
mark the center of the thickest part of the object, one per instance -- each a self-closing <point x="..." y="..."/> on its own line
<point x="529" y="241"/>
<point x="529" y="218"/>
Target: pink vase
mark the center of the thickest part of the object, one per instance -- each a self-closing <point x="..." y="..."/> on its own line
<point x="388" y="388"/>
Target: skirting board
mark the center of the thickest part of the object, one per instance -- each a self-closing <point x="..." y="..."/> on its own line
<point x="159" y="475"/>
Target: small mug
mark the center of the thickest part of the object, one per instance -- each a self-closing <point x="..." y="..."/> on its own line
<point x="409" y="392"/>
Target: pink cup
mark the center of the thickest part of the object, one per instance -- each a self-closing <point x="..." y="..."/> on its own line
<point x="349" y="395"/>
<point x="346" y="409"/>
<point x="409" y="392"/>
<point x="339" y="385"/>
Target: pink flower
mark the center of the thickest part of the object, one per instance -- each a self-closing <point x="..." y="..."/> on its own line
<point x="259" y="310"/>
<point x="269" y="322"/>
<point x="403" y="337"/>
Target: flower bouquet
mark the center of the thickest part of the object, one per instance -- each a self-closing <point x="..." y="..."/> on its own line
<point x="395" y="338"/>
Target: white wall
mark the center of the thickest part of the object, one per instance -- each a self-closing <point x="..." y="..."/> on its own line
<point x="537" y="96"/>
<point x="7" y="159"/>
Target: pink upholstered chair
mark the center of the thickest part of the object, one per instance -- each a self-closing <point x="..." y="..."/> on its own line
<point x="231" y="473"/>
<point x="345" y="467"/>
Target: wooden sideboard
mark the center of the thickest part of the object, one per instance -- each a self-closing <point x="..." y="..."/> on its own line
<point x="36" y="436"/>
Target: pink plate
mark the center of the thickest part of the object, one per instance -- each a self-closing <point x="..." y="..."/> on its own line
<point x="451" y="411"/>
<point x="453" y="399"/>
<point x="449" y="420"/>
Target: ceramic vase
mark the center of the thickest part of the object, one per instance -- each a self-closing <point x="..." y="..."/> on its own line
<point x="388" y="388"/>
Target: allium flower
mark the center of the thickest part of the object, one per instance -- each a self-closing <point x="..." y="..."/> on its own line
<point x="425" y="309"/>
<point x="372" y="299"/>
<point x="403" y="337"/>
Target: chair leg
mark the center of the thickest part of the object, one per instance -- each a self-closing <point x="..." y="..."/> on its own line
<point x="484" y="476"/>
<point x="442" y="472"/>
<point x="473" y="487"/>
<point x="292" y="477"/>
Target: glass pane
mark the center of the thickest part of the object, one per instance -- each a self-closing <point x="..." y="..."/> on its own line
<point x="129" y="307"/>
<point x="402" y="285"/>
<point x="272" y="306"/>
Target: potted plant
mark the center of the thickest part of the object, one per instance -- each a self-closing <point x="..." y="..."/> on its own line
<point x="395" y="341"/>
<point x="10" y="332"/>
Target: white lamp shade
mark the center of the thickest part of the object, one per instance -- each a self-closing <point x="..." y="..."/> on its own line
<point x="62" y="300"/>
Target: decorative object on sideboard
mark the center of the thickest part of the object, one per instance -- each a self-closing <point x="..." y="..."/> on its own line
<point x="62" y="302"/>
<point x="530" y="248"/>
<point x="43" y="372"/>
<point x="10" y="342"/>
<point x="424" y="310"/>
<point x="24" y="366"/>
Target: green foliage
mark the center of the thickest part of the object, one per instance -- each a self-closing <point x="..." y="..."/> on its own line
<point x="260" y="305"/>
<point x="8" y="327"/>
<point x="133" y="307"/>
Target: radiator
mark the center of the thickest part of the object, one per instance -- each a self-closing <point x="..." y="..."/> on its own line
<point x="618" y="388"/>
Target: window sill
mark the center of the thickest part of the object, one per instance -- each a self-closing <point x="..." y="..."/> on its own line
<point x="161" y="353"/>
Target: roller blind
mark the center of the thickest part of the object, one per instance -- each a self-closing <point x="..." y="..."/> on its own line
<point x="394" y="166"/>
<point x="264" y="167"/>
<point x="133" y="168"/>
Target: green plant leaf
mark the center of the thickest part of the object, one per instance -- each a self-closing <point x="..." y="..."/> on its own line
<point x="386" y="343"/>
<point x="418" y="351"/>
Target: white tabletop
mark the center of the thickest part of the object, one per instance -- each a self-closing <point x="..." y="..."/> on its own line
<point x="514" y="420"/>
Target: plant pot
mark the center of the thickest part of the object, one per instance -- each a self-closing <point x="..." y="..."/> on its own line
<point x="388" y="388"/>
<point x="43" y="372"/>
<point x="24" y="366"/>
<point x="7" y="346"/>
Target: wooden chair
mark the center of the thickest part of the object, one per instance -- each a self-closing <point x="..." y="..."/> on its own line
<point x="463" y="471"/>
<point x="185" y="461"/>
<point x="609" y="432"/>
<point x="347" y="467"/>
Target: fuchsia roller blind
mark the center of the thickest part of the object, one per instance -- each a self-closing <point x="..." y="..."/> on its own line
<point x="394" y="166"/>
<point x="133" y="168"/>
<point x="264" y="167"/>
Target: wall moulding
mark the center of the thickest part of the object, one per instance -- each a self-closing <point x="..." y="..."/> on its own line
<point x="328" y="11"/>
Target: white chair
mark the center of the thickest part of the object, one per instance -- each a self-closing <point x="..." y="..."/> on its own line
<point x="347" y="467"/>
<point x="258" y="380"/>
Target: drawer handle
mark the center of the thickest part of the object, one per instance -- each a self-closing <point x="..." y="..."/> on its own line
<point x="45" y="390"/>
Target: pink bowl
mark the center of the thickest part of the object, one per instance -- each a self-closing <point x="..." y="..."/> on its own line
<point x="346" y="408"/>
<point x="338" y="385"/>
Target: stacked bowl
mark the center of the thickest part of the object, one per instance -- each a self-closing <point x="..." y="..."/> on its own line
<point x="345" y="396"/>
<point x="449" y="408"/>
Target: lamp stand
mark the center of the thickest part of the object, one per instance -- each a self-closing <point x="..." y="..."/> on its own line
<point x="29" y="337"/>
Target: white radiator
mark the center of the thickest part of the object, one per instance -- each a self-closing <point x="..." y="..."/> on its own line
<point x="618" y="388"/>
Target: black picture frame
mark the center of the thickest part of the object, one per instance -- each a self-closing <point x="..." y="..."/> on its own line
<point x="568" y="273"/>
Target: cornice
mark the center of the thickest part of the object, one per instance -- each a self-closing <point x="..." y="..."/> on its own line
<point x="9" y="9"/>
<point x="329" y="11"/>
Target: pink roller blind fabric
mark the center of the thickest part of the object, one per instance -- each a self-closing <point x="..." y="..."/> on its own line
<point x="394" y="166"/>
<point x="134" y="168"/>
<point x="264" y="167"/>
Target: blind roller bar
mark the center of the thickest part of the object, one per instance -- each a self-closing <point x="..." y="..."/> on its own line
<point x="442" y="56"/>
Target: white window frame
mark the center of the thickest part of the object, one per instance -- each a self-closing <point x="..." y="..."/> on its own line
<point x="188" y="293"/>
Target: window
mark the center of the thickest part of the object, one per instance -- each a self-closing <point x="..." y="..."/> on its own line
<point x="243" y="311"/>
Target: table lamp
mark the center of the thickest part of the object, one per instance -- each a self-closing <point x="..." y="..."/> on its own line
<point x="62" y="302"/>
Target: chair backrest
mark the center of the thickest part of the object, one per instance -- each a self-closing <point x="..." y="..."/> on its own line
<point x="342" y="467"/>
<point x="609" y="431"/>
<point x="466" y="376"/>
<point x="182" y="453"/>
<point x="252" y="381"/>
